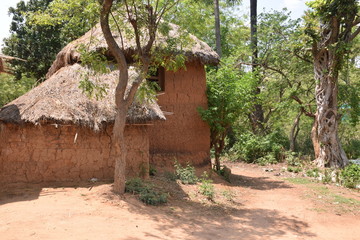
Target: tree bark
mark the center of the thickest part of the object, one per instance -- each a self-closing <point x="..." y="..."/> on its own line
<point x="331" y="153"/>
<point x="256" y="117"/>
<point x="217" y="27"/>
<point x="294" y="132"/>
<point x="119" y="151"/>
<point x="315" y="139"/>
<point x="253" y="32"/>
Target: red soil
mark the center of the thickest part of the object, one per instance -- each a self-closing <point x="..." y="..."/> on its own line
<point x="261" y="206"/>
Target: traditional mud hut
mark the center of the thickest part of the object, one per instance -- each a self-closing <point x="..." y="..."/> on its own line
<point x="56" y="133"/>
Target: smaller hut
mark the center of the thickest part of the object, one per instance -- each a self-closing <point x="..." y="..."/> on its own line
<point x="56" y="133"/>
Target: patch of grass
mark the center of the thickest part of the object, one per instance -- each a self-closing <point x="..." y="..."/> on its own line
<point x="345" y="200"/>
<point x="228" y="195"/>
<point x="299" y="180"/>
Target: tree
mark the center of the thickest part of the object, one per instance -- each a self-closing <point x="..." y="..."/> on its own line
<point x="40" y="28"/>
<point x="257" y="115"/>
<point x="142" y="17"/>
<point x="331" y="42"/>
<point x="228" y="95"/>
<point x="217" y="27"/>
<point x="38" y="45"/>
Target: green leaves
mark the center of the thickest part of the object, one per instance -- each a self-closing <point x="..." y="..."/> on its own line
<point x="11" y="88"/>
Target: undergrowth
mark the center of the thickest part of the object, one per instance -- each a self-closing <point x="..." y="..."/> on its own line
<point x="146" y="192"/>
<point x="185" y="174"/>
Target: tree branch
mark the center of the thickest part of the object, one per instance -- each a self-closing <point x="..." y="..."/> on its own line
<point x="354" y="34"/>
<point x="309" y="114"/>
<point x="115" y="50"/>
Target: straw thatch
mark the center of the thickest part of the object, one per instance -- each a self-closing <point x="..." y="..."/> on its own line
<point x="94" y="40"/>
<point x="60" y="100"/>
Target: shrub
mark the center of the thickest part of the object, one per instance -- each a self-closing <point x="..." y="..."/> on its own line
<point x="260" y="149"/>
<point x="185" y="174"/>
<point x="146" y="192"/>
<point x="292" y="159"/>
<point x="294" y="169"/>
<point x="315" y="173"/>
<point x="206" y="187"/>
<point x="152" y="170"/>
<point x="327" y="176"/>
<point x="350" y="176"/>
<point x="153" y="197"/>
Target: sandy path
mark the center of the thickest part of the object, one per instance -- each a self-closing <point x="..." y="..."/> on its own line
<point x="265" y="208"/>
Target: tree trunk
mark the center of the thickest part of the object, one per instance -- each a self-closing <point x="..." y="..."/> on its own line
<point x="253" y="32"/>
<point x="119" y="152"/>
<point x="315" y="139"/>
<point x="217" y="27"/>
<point x="256" y="117"/>
<point x="331" y="153"/>
<point x="294" y="132"/>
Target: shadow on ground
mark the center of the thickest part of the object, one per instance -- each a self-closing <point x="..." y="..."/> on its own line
<point x="259" y="183"/>
<point x="17" y="192"/>
<point x="217" y="221"/>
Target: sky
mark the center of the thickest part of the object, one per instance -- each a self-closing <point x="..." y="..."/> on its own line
<point x="297" y="7"/>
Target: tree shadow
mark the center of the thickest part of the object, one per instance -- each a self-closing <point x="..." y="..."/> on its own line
<point x="199" y="220"/>
<point x="258" y="183"/>
<point x="18" y="192"/>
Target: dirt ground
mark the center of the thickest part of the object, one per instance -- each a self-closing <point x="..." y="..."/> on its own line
<point x="259" y="203"/>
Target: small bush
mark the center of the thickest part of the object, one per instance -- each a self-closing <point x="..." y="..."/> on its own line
<point x="292" y="159"/>
<point x="266" y="160"/>
<point x="185" y="174"/>
<point x="146" y="192"/>
<point x="350" y="176"/>
<point x="153" y="197"/>
<point x="327" y="176"/>
<point x="152" y="170"/>
<point x="315" y="173"/>
<point x="206" y="187"/>
<point x="294" y="169"/>
<point x="135" y="186"/>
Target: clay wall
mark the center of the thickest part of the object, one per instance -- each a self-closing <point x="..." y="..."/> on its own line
<point x="47" y="153"/>
<point x="184" y="135"/>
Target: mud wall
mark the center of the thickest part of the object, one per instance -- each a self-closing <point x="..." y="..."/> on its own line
<point x="184" y="135"/>
<point x="47" y="153"/>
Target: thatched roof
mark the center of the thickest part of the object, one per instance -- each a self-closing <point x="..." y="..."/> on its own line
<point x="194" y="49"/>
<point x="60" y="100"/>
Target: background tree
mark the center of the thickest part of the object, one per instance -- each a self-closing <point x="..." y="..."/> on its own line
<point x="331" y="42"/>
<point x="228" y="95"/>
<point x="257" y="115"/>
<point x="40" y="28"/>
<point x="38" y="45"/>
